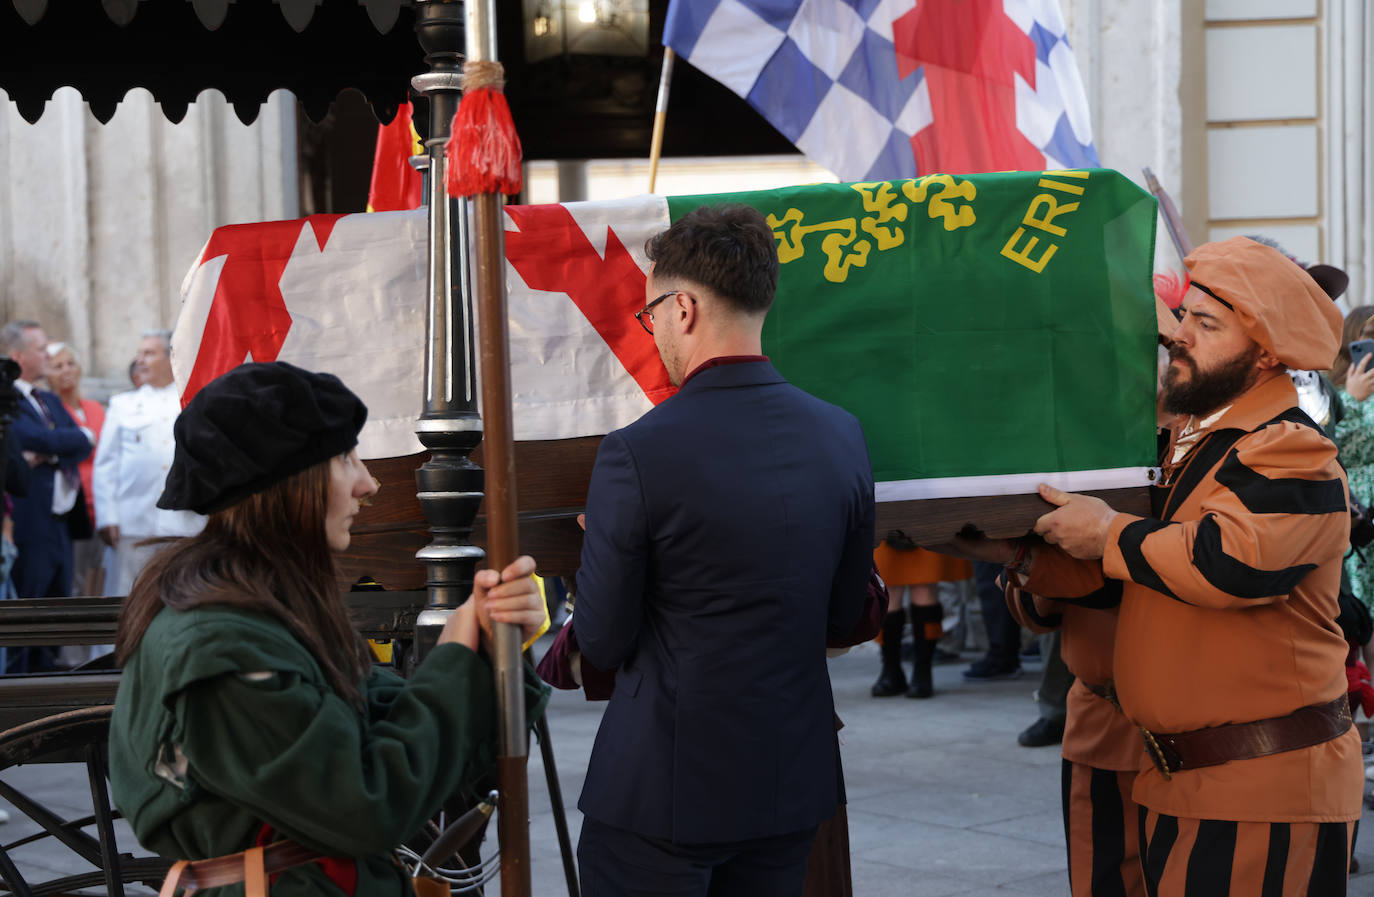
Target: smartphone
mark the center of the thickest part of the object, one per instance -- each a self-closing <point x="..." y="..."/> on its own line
<point x="1360" y="349"/>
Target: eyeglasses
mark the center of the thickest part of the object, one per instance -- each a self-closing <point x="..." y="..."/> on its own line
<point x="647" y="311"/>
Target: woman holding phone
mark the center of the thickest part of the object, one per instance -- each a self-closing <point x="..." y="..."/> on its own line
<point x="1354" y="434"/>
<point x="250" y="712"/>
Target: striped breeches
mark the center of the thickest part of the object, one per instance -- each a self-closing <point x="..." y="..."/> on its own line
<point x="1100" y="829"/>
<point x="1211" y="858"/>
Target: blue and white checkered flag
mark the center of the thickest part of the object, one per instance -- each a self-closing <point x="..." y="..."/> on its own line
<point x="882" y="89"/>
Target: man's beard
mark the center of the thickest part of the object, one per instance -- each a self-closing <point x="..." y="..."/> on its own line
<point x="1210" y="389"/>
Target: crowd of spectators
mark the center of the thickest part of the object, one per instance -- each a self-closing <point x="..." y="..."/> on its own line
<point x="82" y="480"/>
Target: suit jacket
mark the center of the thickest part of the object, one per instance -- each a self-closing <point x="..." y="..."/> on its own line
<point x="131" y="464"/>
<point x="729" y="534"/>
<point x="17" y="474"/>
<point x="63" y="440"/>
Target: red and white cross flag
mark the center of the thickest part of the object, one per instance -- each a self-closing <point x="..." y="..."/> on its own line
<point x="346" y="294"/>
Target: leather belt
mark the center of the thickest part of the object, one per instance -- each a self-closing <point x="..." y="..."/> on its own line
<point x="1304" y="727"/>
<point x="253" y="867"/>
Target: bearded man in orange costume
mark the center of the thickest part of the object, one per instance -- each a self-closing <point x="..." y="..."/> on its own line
<point x="1227" y="653"/>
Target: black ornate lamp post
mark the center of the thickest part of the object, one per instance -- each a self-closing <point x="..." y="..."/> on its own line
<point x="449" y="484"/>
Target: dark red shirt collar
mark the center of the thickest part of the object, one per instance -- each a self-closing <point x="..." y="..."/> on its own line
<point x="718" y="361"/>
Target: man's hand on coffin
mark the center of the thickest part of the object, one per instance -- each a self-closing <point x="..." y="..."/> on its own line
<point x="993" y="551"/>
<point x="1078" y="525"/>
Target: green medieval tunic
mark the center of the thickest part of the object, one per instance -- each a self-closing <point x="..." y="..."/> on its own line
<point x="1354" y="437"/>
<point x="225" y="723"/>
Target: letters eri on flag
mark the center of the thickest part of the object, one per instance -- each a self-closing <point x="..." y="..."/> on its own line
<point x="989" y="331"/>
<point x="875" y="90"/>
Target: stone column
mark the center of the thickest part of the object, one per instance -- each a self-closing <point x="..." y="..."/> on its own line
<point x="100" y="223"/>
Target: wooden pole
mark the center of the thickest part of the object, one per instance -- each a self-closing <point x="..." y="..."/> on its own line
<point x="665" y="81"/>
<point x="498" y="455"/>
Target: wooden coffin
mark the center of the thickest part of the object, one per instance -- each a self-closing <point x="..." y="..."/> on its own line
<point x="551" y="490"/>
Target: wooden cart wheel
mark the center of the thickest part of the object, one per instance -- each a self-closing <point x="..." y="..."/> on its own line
<point x="95" y="857"/>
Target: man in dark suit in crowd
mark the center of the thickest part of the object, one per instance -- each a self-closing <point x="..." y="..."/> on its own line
<point x="729" y="530"/>
<point x="52" y="445"/>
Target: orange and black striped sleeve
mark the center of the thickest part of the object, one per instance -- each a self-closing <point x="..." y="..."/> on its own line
<point x="1057" y="579"/>
<point x="1273" y="510"/>
<point x="1056" y="574"/>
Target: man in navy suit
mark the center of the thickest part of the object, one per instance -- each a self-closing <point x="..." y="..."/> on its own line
<point x="52" y="445"/>
<point x="729" y="531"/>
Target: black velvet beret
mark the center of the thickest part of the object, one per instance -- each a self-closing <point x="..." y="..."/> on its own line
<point x="255" y="426"/>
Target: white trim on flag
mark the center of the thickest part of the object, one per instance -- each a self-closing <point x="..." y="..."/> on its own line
<point x="1016" y="483"/>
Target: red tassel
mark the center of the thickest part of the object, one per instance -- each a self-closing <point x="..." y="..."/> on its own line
<point x="483" y="149"/>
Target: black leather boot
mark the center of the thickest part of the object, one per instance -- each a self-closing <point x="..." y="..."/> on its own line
<point x="891" y="681"/>
<point x="926" y="630"/>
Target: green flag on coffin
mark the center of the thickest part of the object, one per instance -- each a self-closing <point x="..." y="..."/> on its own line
<point x="990" y="331"/>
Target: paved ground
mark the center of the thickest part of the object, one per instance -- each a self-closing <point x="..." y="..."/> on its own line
<point x="942" y="800"/>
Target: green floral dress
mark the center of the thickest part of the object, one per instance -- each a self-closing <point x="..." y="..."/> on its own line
<point x="1355" y="438"/>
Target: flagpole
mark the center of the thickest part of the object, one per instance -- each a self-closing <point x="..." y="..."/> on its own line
<point x="665" y="81"/>
<point x="498" y="455"/>
<point x="1173" y="222"/>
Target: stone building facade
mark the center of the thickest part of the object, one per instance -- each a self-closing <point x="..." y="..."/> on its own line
<point x="100" y="223"/>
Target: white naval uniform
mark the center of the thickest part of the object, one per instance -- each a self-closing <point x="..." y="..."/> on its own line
<point x="131" y="464"/>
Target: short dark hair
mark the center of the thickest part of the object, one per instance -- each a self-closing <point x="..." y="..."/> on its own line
<point x="729" y="249"/>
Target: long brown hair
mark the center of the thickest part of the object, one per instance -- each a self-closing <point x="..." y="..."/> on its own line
<point x="1350" y="331"/>
<point x="266" y="554"/>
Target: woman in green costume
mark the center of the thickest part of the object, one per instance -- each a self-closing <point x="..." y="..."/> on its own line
<point x="249" y="710"/>
<point x="1354" y="437"/>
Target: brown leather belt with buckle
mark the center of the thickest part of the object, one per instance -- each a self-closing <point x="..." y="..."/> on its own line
<point x="1304" y="727"/>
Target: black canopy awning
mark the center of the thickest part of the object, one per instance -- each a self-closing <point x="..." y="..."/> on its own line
<point x="566" y="107"/>
<point x="176" y="49"/>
